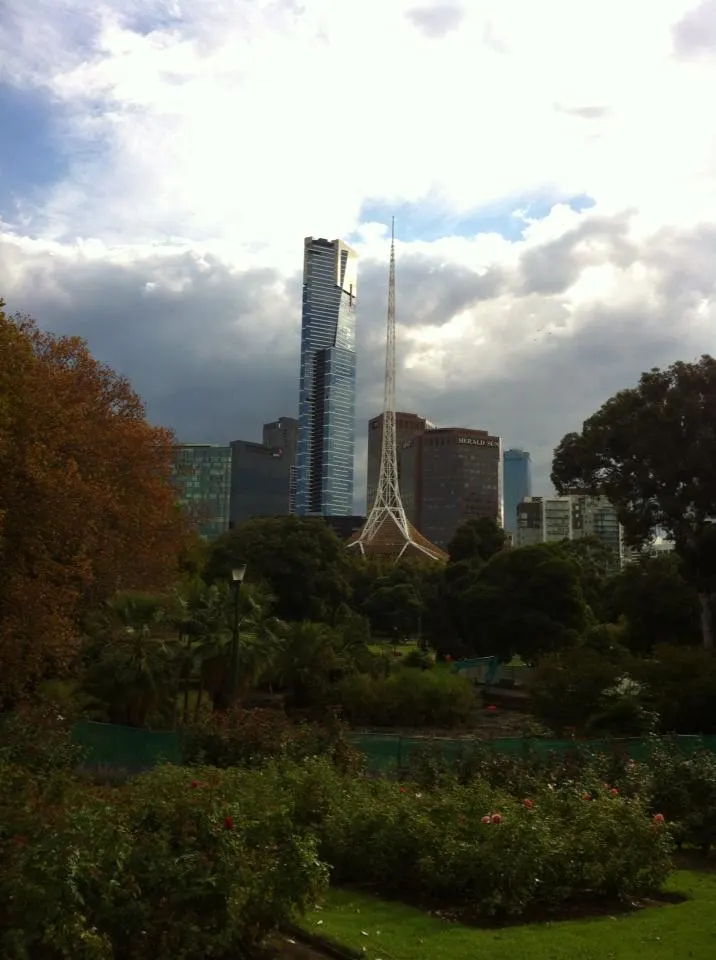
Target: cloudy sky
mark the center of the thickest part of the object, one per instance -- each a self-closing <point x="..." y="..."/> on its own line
<point x="551" y="167"/>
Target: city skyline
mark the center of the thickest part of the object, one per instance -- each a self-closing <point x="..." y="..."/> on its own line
<point x="576" y="255"/>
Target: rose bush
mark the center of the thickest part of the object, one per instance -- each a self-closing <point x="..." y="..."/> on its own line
<point x="481" y="848"/>
<point x="177" y="864"/>
<point x="250" y="738"/>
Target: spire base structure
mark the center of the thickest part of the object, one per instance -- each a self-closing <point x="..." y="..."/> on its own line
<point x="387" y="532"/>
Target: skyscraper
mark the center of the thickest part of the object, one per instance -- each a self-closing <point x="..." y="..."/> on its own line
<point x="449" y="475"/>
<point x="261" y="473"/>
<point x="326" y="408"/>
<point x="517" y="479"/>
<point x="407" y="426"/>
<point x="202" y="477"/>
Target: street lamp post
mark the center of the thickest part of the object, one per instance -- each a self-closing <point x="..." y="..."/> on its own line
<point x="237" y="578"/>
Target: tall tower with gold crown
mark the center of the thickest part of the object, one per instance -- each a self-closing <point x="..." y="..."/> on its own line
<point x="387" y="531"/>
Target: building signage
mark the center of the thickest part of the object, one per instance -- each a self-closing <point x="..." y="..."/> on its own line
<point x="478" y="443"/>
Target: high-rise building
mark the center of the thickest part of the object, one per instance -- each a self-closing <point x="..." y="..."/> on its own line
<point x="202" y="477"/>
<point x="407" y="426"/>
<point x="326" y="438"/>
<point x="551" y="519"/>
<point x="517" y="480"/>
<point x="283" y="435"/>
<point x="449" y="475"/>
<point x="597" y="517"/>
<point x="261" y="473"/>
<point x="543" y="520"/>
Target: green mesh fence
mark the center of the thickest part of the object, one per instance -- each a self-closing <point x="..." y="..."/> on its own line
<point x="129" y="748"/>
<point x="135" y="749"/>
<point x="386" y="753"/>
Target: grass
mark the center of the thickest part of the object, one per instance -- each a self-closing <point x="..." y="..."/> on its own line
<point x="393" y="931"/>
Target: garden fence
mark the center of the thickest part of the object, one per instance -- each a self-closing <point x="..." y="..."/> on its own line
<point x="134" y="749"/>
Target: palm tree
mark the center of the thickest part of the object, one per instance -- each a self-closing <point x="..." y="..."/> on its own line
<point x="133" y="670"/>
<point x="206" y="630"/>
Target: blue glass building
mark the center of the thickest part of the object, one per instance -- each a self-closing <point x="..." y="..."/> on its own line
<point x="326" y="409"/>
<point x="517" y="484"/>
<point x="202" y="477"/>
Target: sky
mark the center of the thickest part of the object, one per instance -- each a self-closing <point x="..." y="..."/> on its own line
<point x="551" y="168"/>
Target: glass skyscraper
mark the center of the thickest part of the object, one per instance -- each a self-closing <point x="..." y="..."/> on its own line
<point x="202" y="477"/>
<point x="326" y="431"/>
<point x="517" y="483"/>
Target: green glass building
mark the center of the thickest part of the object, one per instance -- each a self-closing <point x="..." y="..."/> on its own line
<point x="202" y="476"/>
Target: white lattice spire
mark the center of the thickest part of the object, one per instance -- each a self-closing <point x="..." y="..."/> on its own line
<point x="387" y="515"/>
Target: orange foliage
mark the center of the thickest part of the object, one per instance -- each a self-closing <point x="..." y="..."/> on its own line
<point x="86" y="501"/>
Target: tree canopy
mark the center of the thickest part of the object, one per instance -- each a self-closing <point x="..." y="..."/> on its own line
<point x="304" y="563"/>
<point x="651" y="450"/>
<point x="86" y="501"/>
<point x="477" y="539"/>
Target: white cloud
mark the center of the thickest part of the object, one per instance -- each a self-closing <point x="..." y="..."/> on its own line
<point x="206" y="138"/>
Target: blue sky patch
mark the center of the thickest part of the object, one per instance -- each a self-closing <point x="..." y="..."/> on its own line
<point x="426" y="222"/>
<point x="29" y="159"/>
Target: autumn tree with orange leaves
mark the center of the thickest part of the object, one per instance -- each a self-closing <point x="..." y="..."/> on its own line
<point x="86" y="502"/>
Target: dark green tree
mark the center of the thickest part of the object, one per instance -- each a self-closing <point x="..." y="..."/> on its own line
<point x="595" y="564"/>
<point x="525" y="602"/>
<point x="395" y="597"/>
<point x="651" y="450"/>
<point x="656" y="603"/>
<point x="477" y="539"/>
<point x="304" y="564"/>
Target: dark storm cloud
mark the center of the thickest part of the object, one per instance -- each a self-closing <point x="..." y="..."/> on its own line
<point x="438" y="20"/>
<point x="214" y="351"/>
<point x="695" y="34"/>
<point x="428" y="291"/>
<point x="555" y="266"/>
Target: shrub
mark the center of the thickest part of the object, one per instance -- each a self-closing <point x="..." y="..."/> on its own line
<point x="418" y="660"/>
<point x="482" y="849"/>
<point x="681" y="688"/>
<point x="683" y="788"/>
<point x="249" y="738"/>
<point x="407" y="698"/>
<point x="178" y="864"/>
<point x="38" y="737"/>
<point x="591" y="692"/>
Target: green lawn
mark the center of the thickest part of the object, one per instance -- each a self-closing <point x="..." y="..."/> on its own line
<point x="390" y="931"/>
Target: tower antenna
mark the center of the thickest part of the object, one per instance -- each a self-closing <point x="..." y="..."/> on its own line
<point x="387" y="530"/>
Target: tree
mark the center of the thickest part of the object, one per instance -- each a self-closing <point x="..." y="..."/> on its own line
<point x="206" y="629"/>
<point x="133" y="670"/>
<point x="525" y="601"/>
<point x="651" y="450"/>
<point x="304" y="563"/>
<point x="477" y="539"/>
<point x="594" y="562"/>
<point x="395" y="596"/>
<point x="87" y="506"/>
<point x="658" y="605"/>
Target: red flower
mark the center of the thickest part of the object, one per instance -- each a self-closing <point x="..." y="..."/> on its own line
<point x="586" y="796"/>
<point x="497" y="818"/>
<point x="486" y="819"/>
<point x="228" y="823"/>
<point x="614" y="792"/>
<point x="19" y="841"/>
<point x="195" y="784"/>
<point x="403" y="789"/>
<point x="658" y="818"/>
<point x="528" y="803"/>
<point x="492" y="708"/>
